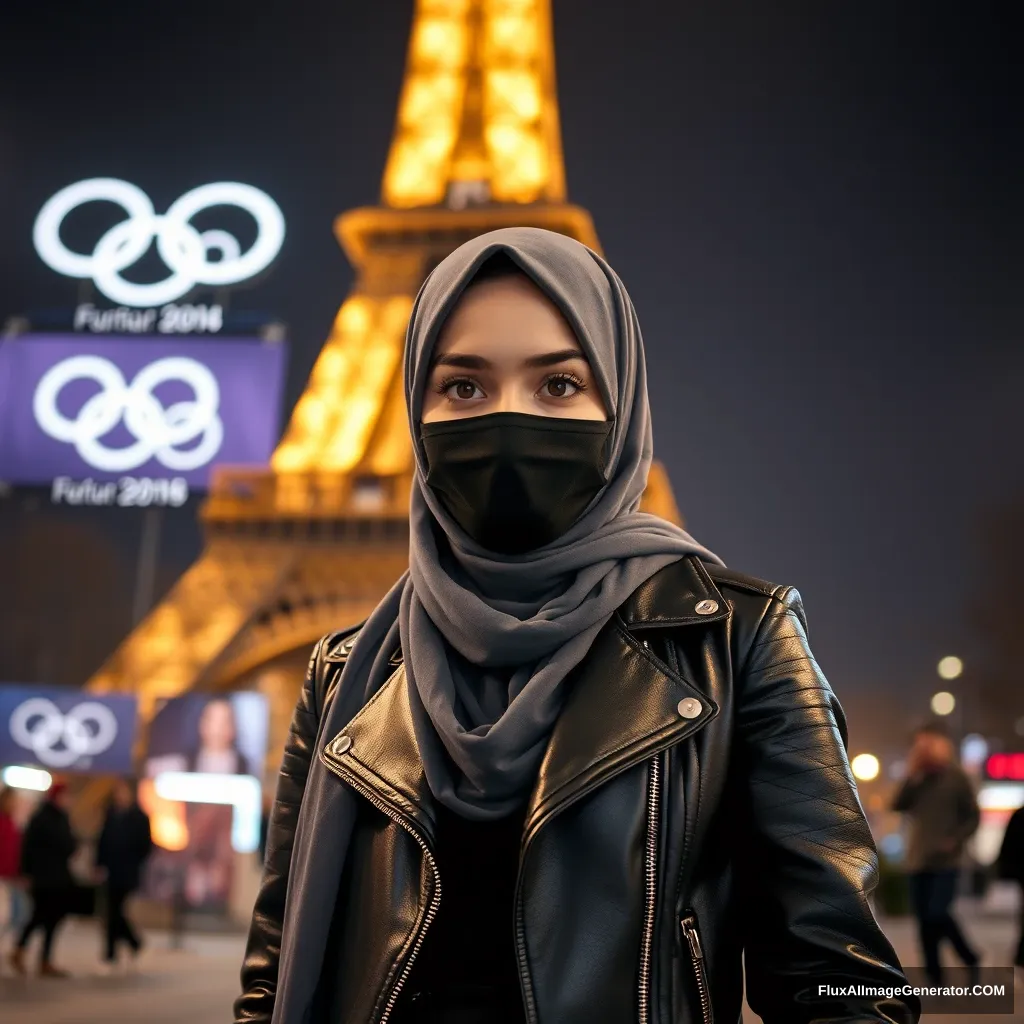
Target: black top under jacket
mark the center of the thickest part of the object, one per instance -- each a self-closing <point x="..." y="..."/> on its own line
<point x="466" y="968"/>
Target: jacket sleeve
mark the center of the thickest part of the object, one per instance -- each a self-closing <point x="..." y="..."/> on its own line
<point x="69" y="844"/>
<point x="906" y="797"/>
<point x="29" y="842"/>
<point x="1011" y="851"/>
<point x="970" y="815"/>
<point x="259" y="969"/>
<point x="809" y="862"/>
<point x="145" y="838"/>
<point x="103" y="845"/>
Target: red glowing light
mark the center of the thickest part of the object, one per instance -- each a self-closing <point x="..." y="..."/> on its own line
<point x="1005" y="766"/>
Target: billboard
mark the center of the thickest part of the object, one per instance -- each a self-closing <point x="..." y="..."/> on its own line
<point x="219" y="733"/>
<point x="64" y="729"/>
<point x="202" y="790"/>
<point x="107" y="420"/>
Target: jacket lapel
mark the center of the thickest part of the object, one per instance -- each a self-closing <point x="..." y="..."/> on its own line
<point x="377" y="753"/>
<point x="625" y="704"/>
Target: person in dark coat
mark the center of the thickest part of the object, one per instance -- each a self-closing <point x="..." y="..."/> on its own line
<point x="1011" y="867"/>
<point x="124" y="844"/>
<point x="46" y="849"/>
<point x="939" y="801"/>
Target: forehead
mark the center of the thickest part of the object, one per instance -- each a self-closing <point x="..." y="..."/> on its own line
<point x="509" y="312"/>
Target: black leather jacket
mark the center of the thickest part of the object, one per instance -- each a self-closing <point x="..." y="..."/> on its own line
<point x="695" y="804"/>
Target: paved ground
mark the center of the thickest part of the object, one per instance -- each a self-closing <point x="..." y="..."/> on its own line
<point x="196" y="984"/>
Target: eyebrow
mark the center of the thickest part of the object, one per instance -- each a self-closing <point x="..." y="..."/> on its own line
<point x="468" y="362"/>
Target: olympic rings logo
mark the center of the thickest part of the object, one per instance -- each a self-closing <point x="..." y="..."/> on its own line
<point x="59" y="740"/>
<point x="159" y="433"/>
<point x="185" y="250"/>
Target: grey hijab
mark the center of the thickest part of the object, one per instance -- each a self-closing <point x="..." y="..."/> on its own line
<point x="489" y="640"/>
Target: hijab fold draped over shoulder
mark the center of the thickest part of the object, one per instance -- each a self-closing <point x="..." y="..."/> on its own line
<point x="488" y="639"/>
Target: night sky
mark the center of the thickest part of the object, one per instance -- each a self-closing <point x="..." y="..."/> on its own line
<point x="816" y="208"/>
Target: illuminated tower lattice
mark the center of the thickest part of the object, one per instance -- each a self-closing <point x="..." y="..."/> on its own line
<point x="312" y="542"/>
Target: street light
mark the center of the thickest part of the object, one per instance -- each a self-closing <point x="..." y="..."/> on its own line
<point x="865" y="767"/>
<point x="951" y="667"/>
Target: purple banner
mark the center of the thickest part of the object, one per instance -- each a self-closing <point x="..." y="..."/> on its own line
<point x="64" y="729"/>
<point x="98" y="409"/>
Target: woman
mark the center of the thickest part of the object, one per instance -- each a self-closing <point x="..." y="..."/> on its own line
<point x="571" y="769"/>
<point x="218" y="751"/>
<point x="48" y="846"/>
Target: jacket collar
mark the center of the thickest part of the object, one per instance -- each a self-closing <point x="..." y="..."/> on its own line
<point x="624" y="705"/>
<point x="681" y="594"/>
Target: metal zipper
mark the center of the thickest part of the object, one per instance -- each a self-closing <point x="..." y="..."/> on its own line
<point x="435" y="900"/>
<point x="650" y="885"/>
<point x="650" y="905"/>
<point x="520" y="929"/>
<point x="689" y="924"/>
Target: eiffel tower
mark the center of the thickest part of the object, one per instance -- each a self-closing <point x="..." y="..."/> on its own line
<point x="312" y="542"/>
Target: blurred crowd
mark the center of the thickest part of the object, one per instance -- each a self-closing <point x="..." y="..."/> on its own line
<point x="40" y="886"/>
<point x="41" y="889"/>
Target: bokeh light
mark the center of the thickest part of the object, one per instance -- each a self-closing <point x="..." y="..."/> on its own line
<point x="865" y="767"/>
<point x="951" y="667"/>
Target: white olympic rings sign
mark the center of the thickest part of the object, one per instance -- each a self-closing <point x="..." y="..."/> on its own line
<point x="59" y="740"/>
<point x="159" y="433"/>
<point x="185" y="250"/>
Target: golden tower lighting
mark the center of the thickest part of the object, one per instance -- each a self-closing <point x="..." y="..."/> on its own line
<point x="313" y="541"/>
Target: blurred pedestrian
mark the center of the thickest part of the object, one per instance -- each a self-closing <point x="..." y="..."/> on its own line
<point x="10" y="866"/>
<point x="1011" y="867"/>
<point x="939" y="801"/>
<point x="124" y="844"/>
<point x="46" y="849"/>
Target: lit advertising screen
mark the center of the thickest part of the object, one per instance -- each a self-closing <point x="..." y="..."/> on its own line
<point x="107" y="420"/>
<point x="220" y="733"/>
<point x="62" y="729"/>
<point x="202" y="792"/>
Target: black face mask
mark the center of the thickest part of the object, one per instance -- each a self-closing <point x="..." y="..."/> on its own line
<point x="515" y="482"/>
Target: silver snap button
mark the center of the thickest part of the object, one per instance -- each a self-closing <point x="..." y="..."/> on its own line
<point x="343" y="744"/>
<point x="707" y="607"/>
<point x="689" y="707"/>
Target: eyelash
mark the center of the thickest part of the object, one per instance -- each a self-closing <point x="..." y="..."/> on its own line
<point x="442" y="386"/>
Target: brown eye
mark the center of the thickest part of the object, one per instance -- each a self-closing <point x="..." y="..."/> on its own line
<point x="458" y="389"/>
<point x="563" y="386"/>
